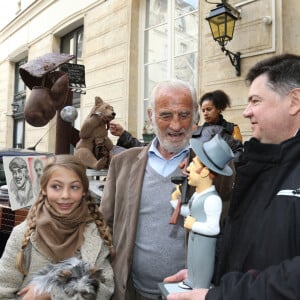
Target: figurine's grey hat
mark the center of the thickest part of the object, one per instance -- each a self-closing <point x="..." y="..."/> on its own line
<point x="214" y="154"/>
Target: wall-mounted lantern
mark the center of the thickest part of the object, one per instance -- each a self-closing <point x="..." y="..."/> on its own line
<point x="222" y="22"/>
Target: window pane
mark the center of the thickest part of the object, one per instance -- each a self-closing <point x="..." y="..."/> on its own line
<point x="183" y="7"/>
<point x="185" y="68"/>
<point x="72" y="43"/>
<point x="156" y="12"/>
<point x="79" y="43"/>
<point x="19" y="133"/>
<point x="146" y="104"/>
<point x="186" y="34"/>
<point x="153" y="74"/>
<point x="19" y="83"/>
<point x="156" y="44"/>
<point x="65" y="44"/>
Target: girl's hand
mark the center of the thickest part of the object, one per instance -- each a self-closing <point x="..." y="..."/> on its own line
<point x="28" y="293"/>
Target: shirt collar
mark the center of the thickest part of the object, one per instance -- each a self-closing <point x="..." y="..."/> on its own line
<point x="153" y="149"/>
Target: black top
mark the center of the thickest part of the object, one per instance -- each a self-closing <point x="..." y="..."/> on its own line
<point x="260" y="247"/>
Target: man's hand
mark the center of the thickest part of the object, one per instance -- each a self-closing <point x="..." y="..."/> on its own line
<point x="115" y="128"/>
<point x="179" y="276"/>
<point x="197" y="294"/>
<point x="183" y="165"/>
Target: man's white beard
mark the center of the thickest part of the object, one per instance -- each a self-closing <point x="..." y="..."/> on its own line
<point x="172" y="147"/>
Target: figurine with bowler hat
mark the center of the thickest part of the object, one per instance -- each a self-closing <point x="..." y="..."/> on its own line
<point x="203" y="210"/>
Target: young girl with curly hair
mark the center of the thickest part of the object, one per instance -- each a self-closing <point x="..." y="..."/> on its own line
<point x="64" y="222"/>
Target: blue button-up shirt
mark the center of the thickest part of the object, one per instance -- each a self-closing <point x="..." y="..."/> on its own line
<point x="160" y="164"/>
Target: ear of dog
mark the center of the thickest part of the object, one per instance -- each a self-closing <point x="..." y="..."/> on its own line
<point x="98" y="101"/>
<point x="97" y="274"/>
<point x="64" y="275"/>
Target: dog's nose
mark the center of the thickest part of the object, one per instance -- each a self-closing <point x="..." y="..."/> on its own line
<point x="113" y="114"/>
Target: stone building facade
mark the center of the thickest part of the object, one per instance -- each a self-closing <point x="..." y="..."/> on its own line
<point x="113" y="43"/>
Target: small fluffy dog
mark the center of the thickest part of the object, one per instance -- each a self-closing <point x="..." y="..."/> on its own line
<point x="70" y="279"/>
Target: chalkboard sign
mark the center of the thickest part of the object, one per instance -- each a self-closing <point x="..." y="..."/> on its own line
<point x="76" y="74"/>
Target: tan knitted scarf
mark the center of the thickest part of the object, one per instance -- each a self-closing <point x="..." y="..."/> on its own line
<point x="60" y="236"/>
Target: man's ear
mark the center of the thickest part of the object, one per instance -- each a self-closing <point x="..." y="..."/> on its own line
<point x="295" y="102"/>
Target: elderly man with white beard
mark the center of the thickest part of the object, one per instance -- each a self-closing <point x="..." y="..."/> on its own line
<point x="137" y="193"/>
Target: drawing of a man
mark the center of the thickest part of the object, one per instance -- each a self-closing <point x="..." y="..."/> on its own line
<point x="20" y="185"/>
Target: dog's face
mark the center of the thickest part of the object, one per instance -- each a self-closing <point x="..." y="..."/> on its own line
<point x="79" y="282"/>
<point x="103" y="110"/>
<point x="71" y="279"/>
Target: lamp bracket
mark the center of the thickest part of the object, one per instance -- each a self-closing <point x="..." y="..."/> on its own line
<point x="235" y="59"/>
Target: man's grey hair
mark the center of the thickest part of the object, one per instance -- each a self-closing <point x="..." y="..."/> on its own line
<point x="174" y="84"/>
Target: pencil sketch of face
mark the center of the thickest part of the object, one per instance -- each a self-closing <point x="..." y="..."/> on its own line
<point x="18" y="168"/>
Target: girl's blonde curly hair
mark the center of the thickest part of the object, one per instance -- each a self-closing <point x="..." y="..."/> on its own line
<point x="70" y="162"/>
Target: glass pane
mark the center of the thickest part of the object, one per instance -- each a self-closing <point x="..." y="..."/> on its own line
<point x="185" y="6"/>
<point x="156" y="44"/>
<point x="65" y="44"/>
<point x="156" y="12"/>
<point x="19" y="133"/>
<point x="230" y="27"/>
<point x="19" y="83"/>
<point x="185" y="68"/>
<point x="153" y="74"/>
<point x="79" y="44"/>
<point x="186" y="34"/>
<point x="146" y="104"/>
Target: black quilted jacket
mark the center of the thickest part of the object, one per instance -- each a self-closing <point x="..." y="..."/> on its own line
<point x="260" y="248"/>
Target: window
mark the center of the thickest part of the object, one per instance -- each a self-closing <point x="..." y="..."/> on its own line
<point x="18" y="108"/>
<point x="170" y="42"/>
<point x="72" y="43"/>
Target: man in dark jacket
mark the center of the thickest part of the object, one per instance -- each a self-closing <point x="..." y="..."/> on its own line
<point x="260" y="247"/>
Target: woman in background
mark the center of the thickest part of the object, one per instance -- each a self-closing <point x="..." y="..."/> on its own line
<point x="212" y="104"/>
